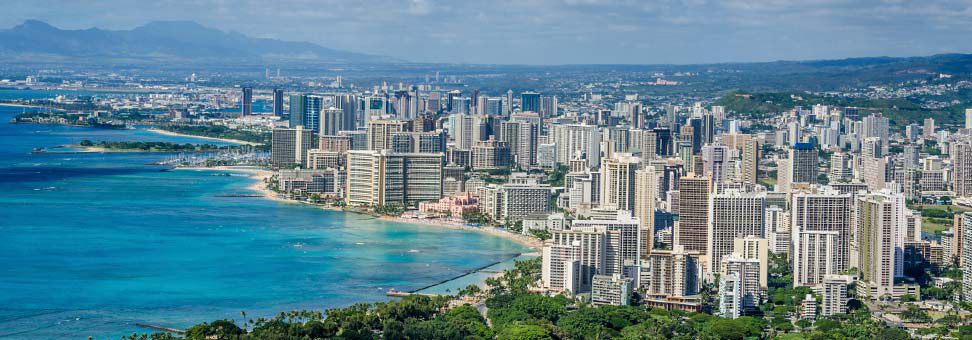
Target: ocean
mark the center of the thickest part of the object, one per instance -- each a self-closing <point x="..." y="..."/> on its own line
<point x="92" y="243"/>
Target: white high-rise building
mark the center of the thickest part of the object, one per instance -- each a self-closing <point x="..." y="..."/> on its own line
<point x="835" y="294"/>
<point x="777" y="230"/>
<point x="646" y="190"/>
<point x="751" y="293"/>
<point x="880" y="239"/>
<point x="730" y="296"/>
<point x="968" y="118"/>
<point x="824" y="211"/>
<point x="732" y="215"/>
<point x="618" y="182"/>
<point x="815" y="254"/>
<point x="961" y="153"/>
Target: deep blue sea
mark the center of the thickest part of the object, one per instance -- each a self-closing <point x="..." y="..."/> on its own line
<point x="90" y="244"/>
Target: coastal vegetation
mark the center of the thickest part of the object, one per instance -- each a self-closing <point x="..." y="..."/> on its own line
<point x="507" y="309"/>
<point x="155" y="146"/>
<point x="64" y="118"/>
<point x="218" y="131"/>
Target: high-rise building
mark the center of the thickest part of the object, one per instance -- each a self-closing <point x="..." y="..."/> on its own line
<point x="381" y="131"/>
<point x="278" y="102"/>
<point x="835" y="288"/>
<point x="530" y="102"/>
<point x="777" y="221"/>
<point x="246" y="102"/>
<point x="522" y="138"/>
<point x="577" y="141"/>
<point x="804" y="162"/>
<point x="297" y="109"/>
<point x="645" y="192"/>
<point x="880" y="241"/>
<point x="715" y="160"/>
<point x="622" y="243"/>
<point x="730" y="296"/>
<point x="510" y="202"/>
<point x="674" y="273"/>
<point x="961" y="153"/>
<point x="383" y="177"/>
<point x="821" y="225"/>
<point x="618" y="182"/>
<point x="750" y="162"/>
<point x="754" y="248"/>
<point x="572" y="258"/>
<point x="491" y="154"/>
<point x="750" y="292"/>
<point x="876" y="125"/>
<point x="289" y="146"/>
<point x="732" y="215"/>
<point x="693" y="220"/>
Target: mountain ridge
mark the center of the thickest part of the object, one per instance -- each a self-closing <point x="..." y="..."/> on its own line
<point x="164" y="41"/>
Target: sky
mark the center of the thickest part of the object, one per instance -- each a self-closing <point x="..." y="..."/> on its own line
<point x="556" y="31"/>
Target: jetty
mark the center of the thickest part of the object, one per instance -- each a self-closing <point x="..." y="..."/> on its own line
<point x="160" y="328"/>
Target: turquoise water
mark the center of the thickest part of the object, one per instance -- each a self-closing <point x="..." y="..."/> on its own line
<point x="92" y="243"/>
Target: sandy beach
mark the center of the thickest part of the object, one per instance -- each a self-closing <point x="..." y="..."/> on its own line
<point x="261" y="174"/>
<point x="528" y="241"/>
<point x="170" y="133"/>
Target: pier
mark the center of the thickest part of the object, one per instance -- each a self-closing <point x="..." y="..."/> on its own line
<point x="160" y="328"/>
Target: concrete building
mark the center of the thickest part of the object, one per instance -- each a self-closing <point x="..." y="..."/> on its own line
<point x="491" y="154"/>
<point x="824" y="211"/>
<point x="732" y="215"/>
<point x="645" y="192"/>
<point x="289" y="146"/>
<point x="672" y="273"/>
<point x="381" y="178"/>
<point x="880" y="241"/>
<point x="514" y="201"/>
<point x="611" y="290"/>
<point x="693" y="224"/>
<point x="618" y="182"/>
<point x="835" y="288"/>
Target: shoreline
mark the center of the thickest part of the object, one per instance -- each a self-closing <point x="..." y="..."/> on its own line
<point x="225" y="140"/>
<point x="259" y="175"/>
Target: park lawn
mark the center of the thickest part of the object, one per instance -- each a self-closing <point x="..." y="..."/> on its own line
<point x="936" y="224"/>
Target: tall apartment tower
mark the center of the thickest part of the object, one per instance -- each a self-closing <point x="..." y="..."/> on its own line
<point x="246" y="102"/>
<point x="732" y="215"/>
<point x="821" y="225"/>
<point x="693" y="220"/>
<point x="381" y="131"/>
<point x="750" y="162"/>
<point x="880" y="238"/>
<point x="804" y="163"/>
<point x="618" y="182"/>
<point x="645" y="190"/>
<point x="278" y="102"/>
<point x="962" y="168"/>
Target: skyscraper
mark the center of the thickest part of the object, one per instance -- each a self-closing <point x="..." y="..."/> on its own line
<point x="290" y="146"/>
<point x="821" y="228"/>
<point x="278" y="102"/>
<point x="618" y="182"/>
<point x="530" y="102"/>
<point x="645" y="190"/>
<point x="246" y="102"/>
<point x="732" y="215"/>
<point x="880" y="234"/>
<point x="693" y="220"/>
<point x="962" y="168"/>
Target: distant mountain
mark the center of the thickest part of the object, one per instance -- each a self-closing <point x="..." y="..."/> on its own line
<point x="162" y="41"/>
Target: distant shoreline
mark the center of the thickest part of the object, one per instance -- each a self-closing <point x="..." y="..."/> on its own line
<point x="176" y="134"/>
